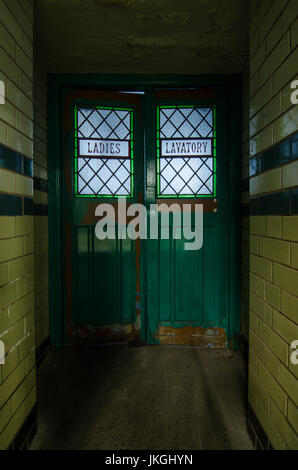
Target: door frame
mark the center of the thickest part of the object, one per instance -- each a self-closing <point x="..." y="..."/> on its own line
<point x="232" y="84"/>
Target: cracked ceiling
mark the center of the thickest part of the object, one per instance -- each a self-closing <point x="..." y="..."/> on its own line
<point x="143" y="36"/>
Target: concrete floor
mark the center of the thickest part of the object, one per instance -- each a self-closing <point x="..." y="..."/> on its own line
<point x="152" y="397"/>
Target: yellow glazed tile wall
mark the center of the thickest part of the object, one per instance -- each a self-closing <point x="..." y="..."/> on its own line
<point x="17" y="297"/>
<point x="273" y="240"/>
<point x="245" y="217"/>
<point x="41" y="198"/>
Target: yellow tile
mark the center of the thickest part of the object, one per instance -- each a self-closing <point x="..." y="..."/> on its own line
<point x="285" y="73"/>
<point x="270" y="429"/>
<point x="284" y="428"/>
<point x="289" y="383"/>
<point x="21" y="308"/>
<point x="290" y="228"/>
<point x="3" y="273"/>
<point x="24" y="62"/>
<point x="7" y="181"/>
<point x="13" y="427"/>
<point x="294" y="255"/>
<point x="274" y="226"/>
<point x="285" y="94"/>
<point x="290" y="175"/>
<point x="262" y="141"/>
<point x="293" y="414"/>
<point x="276" y="250"/>
<point x="272" y="386"/>
<point x="24" y="185"/>
<point x="8" y="294"/>
<point x="23" y="391"/>
<point x="262" y="267"/>
<point x="294" y="35"/>
<point x="275" y="58"/>
<point x="31" y="399"/>
<point x="286" y="278"/>
<point x="289" y="15"/>
<point x="289" y="305"/>
<point x="11" y="363"/>
<point x="10" y="384"/>
<point x="24" y="225"/>
<point x="265" y="354"/>
<point x="257" y="59"/>
<point x="7" y="112"/>
<point x="273" y="36"/>
<point x="274" y="179"/>
<point x="261" y="98"/>
<point x="272" y="295"/>
<point x="7" y="41"/>
<point x="5" y="415"/>
<point x="258" y="225"/>
<point x="20" y="267"/>
<point x="274" y="342"/>
<point x="7" y="227"/>
<point x="12" y="70"/>
<point x="261" y="308"/>
<point x="254" y="245"/>
<point x="259" y="390"/>
<point x="27" y="345"/>
<point x="4" y="321"/>
<point x="11" y="248"/>
<point x="3" y="133"/>
<point x="19" y="142"/>
<point x="258" y="184"/>
<point x="285" y="327"/>
<point x="14" y="335"/>
<point x="286" y="124"/>
<point x="28" y="244"/>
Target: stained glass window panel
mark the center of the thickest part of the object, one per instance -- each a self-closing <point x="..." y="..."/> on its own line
<point x="103" y="152"/>
<point x="186" y="151"/>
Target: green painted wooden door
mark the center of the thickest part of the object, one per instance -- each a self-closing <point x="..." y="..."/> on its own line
<point x="187" y="291"/>
<point x="153" y="290"/>
<point x="103" y="155"/>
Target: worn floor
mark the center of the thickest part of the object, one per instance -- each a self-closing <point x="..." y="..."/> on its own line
<point x="152" y="397"/>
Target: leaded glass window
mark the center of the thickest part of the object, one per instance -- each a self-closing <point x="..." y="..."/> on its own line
<point x="103" y="151"/>
<point x="186" y="151"/>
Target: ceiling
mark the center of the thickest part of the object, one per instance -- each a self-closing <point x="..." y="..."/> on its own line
<point x="143" y="36"/>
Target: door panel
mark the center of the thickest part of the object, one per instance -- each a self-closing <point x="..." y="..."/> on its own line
<point x="187" y="299"/>
<point x="102" y="277"/>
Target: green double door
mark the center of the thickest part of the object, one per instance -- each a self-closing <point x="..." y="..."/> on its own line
<point x="159" y="147"/>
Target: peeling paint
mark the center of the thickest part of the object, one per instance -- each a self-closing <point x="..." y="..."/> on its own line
<point x="195" y="336"/>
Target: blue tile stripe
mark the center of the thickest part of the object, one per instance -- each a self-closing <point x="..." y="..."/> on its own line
<point x="281" y="153"/>
<point x="14" y="161"/>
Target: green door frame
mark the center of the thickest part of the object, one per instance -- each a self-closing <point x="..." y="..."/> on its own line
<point x="231" y="86"/>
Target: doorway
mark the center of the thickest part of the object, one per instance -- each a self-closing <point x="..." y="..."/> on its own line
<point x="152" y="145"/>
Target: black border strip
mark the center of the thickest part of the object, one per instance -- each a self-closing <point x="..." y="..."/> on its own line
<point x="279" y="203"/>
<point x="256" y="432"/>
<point x="14" y="161"/>
<point x="42" y="351"/>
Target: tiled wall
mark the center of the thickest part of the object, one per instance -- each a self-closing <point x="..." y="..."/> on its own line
<point x="40" y="199"/>
<point x="273" y="188"/>
<point x="245" y="216"/>
<point x="17" y="312"/>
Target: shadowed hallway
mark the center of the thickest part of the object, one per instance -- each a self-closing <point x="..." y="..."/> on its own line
<point x="158" y="397"/>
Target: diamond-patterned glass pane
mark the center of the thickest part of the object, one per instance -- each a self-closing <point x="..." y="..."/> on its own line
<point x="186" y="176"/>
<point x="101" y="133"/>
<point x="104" y="177"/>
<point x="189" y="131"/>
<point x="186" y="122"/>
